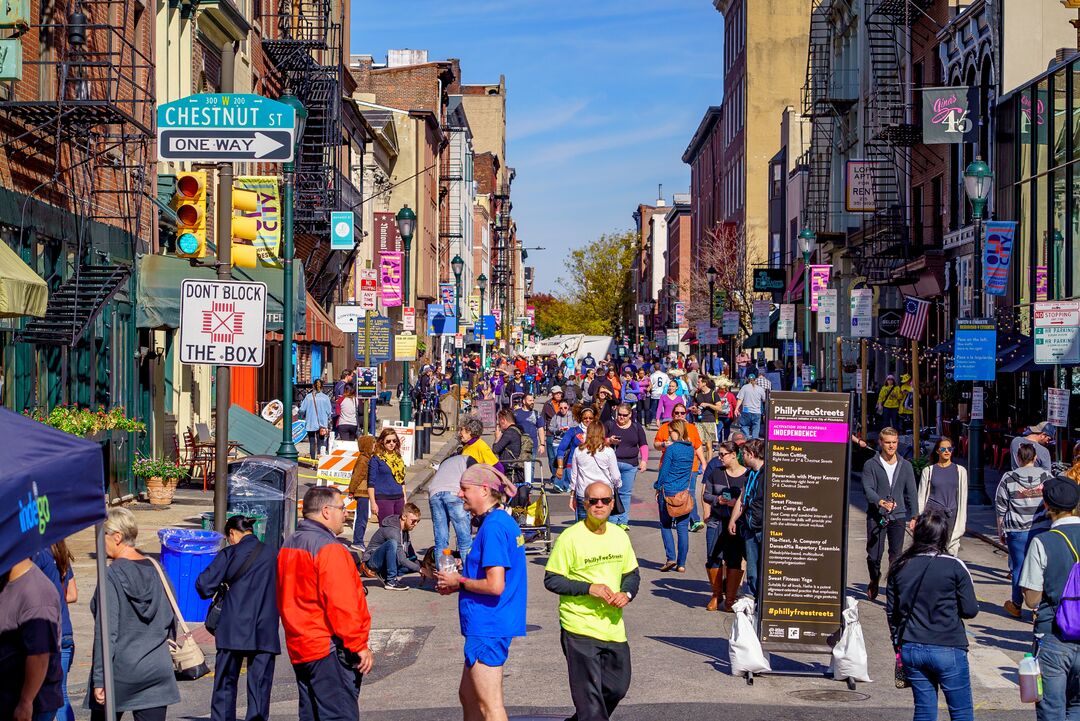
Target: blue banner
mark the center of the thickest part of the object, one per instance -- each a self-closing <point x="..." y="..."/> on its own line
<point x="975" y="350"/>
<point x="999" y="242"/>
<point x="485" y="328"/>
<point x="440" y="319"/>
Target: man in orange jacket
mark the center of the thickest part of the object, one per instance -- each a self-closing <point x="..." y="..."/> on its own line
<point x="324" y="611"/>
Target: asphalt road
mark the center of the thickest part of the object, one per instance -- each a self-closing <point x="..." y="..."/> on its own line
<point x="679" y="651"/>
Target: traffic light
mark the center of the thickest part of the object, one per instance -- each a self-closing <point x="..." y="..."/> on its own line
<point x="245" y="229"/>
<point x="189" y="202"/>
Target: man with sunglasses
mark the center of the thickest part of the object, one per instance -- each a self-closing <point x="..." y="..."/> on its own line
<point x="589" y="561"/>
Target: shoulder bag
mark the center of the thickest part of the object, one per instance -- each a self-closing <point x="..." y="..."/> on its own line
<point x="213" y="614"/>
<point x="188" y="660"/>
<point x="900" y="673"/>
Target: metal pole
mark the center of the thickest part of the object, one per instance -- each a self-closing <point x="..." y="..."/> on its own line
<point x="712" y="324"/>
<point x="223" y="379"/>
<point x="372" y="403"/>
<point x="916" y="416"/>
<point x="483" y="344"/>
<point x="457" y="351"/>
<point x="287" y="450"/>
<point x="865" y="383"/>
<point x="806" y="311"/>
<point x="839" y="365"/>
<point x="976" y="491"/>
<point x="406" y="409"/>
<point x="102" y="621"/>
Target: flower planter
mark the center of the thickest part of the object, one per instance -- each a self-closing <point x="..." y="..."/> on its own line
<point x="160" y="491"/>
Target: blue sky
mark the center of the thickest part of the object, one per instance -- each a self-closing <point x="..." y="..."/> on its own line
<point x="603" y="97"/>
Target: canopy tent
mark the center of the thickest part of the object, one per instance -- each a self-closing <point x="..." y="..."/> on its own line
<point x="22" y="291"/>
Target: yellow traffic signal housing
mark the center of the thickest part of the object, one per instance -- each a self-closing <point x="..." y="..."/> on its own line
<point x="189" y="202"/>
<point x="245" y="229"/>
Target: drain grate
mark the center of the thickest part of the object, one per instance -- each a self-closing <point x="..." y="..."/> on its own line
<point x="827" y="696"/>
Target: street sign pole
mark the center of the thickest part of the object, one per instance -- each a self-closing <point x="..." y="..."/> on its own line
<point x="372" y="402"/>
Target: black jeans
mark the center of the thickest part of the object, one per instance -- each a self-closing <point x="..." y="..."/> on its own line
<point x="876" y="536"/>
<point x="260" y="680"/>
<point x="329" y="691"/>
<point x="346" y="433"/>
<point x="315" y="441"/>
<point x="599" y="675"/>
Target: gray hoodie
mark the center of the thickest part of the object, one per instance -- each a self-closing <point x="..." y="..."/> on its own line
<point x="140" y="623"/>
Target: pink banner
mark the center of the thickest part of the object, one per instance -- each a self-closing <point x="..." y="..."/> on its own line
<point x="819" y="281"/>
<point x="808" y="431"/>
<point x="1042" y="283"/>
<point x="390" y="273"/>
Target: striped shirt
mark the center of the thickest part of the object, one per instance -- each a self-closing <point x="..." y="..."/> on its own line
<point x="1019" y="500"/>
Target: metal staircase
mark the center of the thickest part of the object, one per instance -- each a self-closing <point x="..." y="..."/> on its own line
<point x="75" y="305"/>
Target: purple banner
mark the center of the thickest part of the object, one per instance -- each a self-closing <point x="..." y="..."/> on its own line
<point x="808" y="431"/>
<point x="819" y="281"/>
<point x="999" y="243"/>
<point x="390" y="274"/>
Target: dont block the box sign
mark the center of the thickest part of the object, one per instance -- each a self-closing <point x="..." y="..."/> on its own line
<point x="222" y="322"/>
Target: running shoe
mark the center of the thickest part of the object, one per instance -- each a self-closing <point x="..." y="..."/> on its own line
<point x="394" y="584"/>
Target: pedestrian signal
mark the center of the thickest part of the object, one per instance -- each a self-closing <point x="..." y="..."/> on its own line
<point x="189" y="202"/>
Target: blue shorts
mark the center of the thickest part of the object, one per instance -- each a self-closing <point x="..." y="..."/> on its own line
<point x="488" y="650"/>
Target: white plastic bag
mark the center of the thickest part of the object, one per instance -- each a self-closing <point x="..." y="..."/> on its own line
<point x="849" y="653"/>
<point x="744" y="648"/>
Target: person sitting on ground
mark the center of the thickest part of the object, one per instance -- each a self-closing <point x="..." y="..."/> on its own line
<point x="390" y="552"/>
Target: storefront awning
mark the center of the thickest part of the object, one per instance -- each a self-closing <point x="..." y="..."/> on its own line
<point x="256" y="436"/>
<point x="1022" y="359"/>
<point x="794" y="293"/>
<point x="22" y="291"/>
<point x="158" y="294"/>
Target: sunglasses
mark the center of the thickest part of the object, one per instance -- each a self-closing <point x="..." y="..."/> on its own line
<point x="390" y="441"/>
<point x="679" y="413"/>
<point x="945" y="449"/>
<point x="599" y="501"/>
<point x="623" y="415"/>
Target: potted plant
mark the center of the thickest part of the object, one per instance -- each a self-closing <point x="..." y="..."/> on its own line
<point x="161" y="477"/>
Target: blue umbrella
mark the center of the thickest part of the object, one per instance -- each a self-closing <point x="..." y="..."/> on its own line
<point x="52" y="485"/>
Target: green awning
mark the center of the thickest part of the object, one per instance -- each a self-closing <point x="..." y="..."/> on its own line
<point x="256" y="436"/>
<point x="158" y="293"/>
<point x="22" y="291"/>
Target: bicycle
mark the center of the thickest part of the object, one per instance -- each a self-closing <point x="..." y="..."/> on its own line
<point x="429" y="407"/>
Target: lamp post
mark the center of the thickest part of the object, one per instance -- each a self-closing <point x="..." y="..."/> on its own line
<point x="481" y="283"/>
<point x="406" y="223"/>
<point x="711" y="275"/>
<point x="458" y="266"/>
<point x="287" y="449"/>
<point x="977" y="181"/>
<point x="807" y="244"/>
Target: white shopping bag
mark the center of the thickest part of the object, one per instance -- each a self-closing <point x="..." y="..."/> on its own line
<point x="849" y="654"/>
<point x="744" y="648"/>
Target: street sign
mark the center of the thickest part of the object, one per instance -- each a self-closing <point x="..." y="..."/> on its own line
<point x="785" y="327"/>
<point x="226" y="127"/>
<point x="1057" y="406"/>
<point x="889" y="321"/>
<point x="762" y="309"/>
<point x="367" y="382"/>
<point x="222" y="322"/>
<point x="341" y="230"/>
<point x="769" y="280"/>
<point x="369" y="288"/>
<point x="978" y="403"/>
<point x="408" y="319"/>
<point x="440" y="322"/>
<point x="862" y="313"/>
<point x="827" y="310"/>
<point x="975" y="350"/>
<point x="405" y="347"/>
<point x="380" y="339"/>
<point x="730" y="322"/>
<point x="1057" y="332"/>
<point x="485" y="328"/>
<point x="346" y="317"/>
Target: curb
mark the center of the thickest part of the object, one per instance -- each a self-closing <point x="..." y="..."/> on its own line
<point x="987" y="540"/>
<point x="428" y="472"/>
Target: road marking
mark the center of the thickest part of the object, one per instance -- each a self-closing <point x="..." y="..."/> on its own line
<point x="988" y="666"/>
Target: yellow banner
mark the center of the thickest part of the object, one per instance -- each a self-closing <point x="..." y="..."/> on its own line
<point x="268" y="212"/>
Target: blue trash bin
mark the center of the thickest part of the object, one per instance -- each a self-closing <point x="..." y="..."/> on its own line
<point x="184" y="554"/>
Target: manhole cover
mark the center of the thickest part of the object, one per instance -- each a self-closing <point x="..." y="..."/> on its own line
<point x="825" y="696"/>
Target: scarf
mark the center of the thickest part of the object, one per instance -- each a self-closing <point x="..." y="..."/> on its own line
<point x="396" y="464"/>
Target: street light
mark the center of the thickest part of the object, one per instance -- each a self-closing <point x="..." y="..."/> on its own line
<point x="711" y="275"/>
<point x="287" y="449"/>
<point x="481" y="283"/>
<point x="458" y="266"/>
<point x="977" y="182"/>
<point x="406" y="223"/>
<point x="807" y="245"/>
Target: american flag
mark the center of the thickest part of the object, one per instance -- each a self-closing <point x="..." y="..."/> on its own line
<point x="915" y="312"/>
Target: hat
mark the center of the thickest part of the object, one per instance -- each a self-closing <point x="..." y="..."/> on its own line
<point x="1061" y="492"/>
<point x="751" y="376"/>
<point x="904" y="378"/>
<point x="890" y="377"/>
<point x="556" y="389"/>
<point x="1045" y="427"/>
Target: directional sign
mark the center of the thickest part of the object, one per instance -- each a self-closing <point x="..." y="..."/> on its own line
<point x="230" y="127"/>
<point x="222" y="322"/>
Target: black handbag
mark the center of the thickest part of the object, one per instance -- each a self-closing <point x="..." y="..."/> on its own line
<point x="213" y="614"/>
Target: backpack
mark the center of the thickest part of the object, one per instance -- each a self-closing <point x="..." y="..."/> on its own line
<point x="1067" y="615"/>
<point x="725" y="406"/>
<point x="526" y="453"/>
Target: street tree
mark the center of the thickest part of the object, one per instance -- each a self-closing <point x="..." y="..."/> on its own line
<point x="728" y="251"/>
<point x="599" y="284"/>
<point x="554" y="315"/>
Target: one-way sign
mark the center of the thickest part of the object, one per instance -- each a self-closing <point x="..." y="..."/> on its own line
<point x="230" y="127"/>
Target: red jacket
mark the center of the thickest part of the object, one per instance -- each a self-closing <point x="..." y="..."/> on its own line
<point x="319" y="595"/>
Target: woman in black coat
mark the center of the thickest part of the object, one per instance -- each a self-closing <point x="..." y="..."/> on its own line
<point x="248" y="628"/>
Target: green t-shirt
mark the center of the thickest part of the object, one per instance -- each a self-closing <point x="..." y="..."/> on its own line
<point x="581" y="555"/>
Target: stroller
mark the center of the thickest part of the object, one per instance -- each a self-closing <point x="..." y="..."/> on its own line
<point x="529" y="506"/>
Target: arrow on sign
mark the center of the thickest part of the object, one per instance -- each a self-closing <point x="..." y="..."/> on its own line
<point x="257" y="146"/>
<point x="224" y="145"/>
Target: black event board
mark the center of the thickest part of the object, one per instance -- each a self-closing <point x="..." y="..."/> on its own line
<point x="804" y="550"/>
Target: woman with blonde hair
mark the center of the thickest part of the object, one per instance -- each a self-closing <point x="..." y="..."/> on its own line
<point x="386" y="476"/>
<point x="594" y="461"/>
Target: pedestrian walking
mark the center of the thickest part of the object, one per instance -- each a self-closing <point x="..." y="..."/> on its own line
<point x="725" y="414"/>
<point x="722" y="486"/>
<point x="1021" y="516"/>
<point x="594" y="462"/>
<point x="631" y="446"/>
<point x="888" y="403"/>
<point x="386" y="476"/>
<point x="661" y="442"/>
<point x="707" y="408"/>
<point x="889" y="485"/>
<point x="324" y="611"/>
<point x="748" y="515"/>
<point x="673" y="496"/>
<point x="141" y="622"/>
<point x="561" y="421"/>
<point x="472" y="445"/>
<point x="643" y="412"/>
<point x="907" y="403"/>
<point x="658" y="385"/>
<point x="944" y="485"/>
<point x="750" y="404"/>
<point x="359" y="490"/>
<point x="665" y="406"/>
<point x="31" y="672"/>
<point x="1040" y="436"/>
<point x="348" y="414"/>
<point x="564" y="454"/>
<point x="928" y="596"/>
<point x="315" y="410"/>
<point x="509" y="438"/>
<point x="55" y="562"/>
<point x="589" y="561"/>
<point x="447" y="508"/>
<point x="492" y="592"/>
<point x="245" y="571"/>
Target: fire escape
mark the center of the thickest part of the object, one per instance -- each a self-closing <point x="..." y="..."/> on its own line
<point x="500" y="257"/>
<point x="81" y="117"/>
<point x="307" y="55"/>
<point x="451" y="176"/>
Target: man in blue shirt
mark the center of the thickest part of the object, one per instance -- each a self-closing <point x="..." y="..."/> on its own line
<point x="492" y="589"/>
<point x="316" y="410"/>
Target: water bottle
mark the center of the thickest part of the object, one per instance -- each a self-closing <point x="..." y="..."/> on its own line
<point x="447" y="563"/>
<point x="1031" y="688"/>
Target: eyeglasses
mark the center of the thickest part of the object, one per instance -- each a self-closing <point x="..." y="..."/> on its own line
<point x="945" y="449"/>
<point x="337" y="508"/>
<point x="390" y="441"/>
<point x="623" y="415"/>
<point x="679" y="413"/>
<point x="599" y="501"/>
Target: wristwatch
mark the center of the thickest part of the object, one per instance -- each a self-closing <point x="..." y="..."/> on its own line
<point x="629" y="596"/>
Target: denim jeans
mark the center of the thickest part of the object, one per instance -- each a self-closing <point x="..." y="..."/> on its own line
<point x="681" y="525"/>
<point x="384" y="560"/>
<point x="753" y="559"/>
<point x="363" y="514"/>
<point x="579" y="508"/>
<point x="694" y="517"/>
<point x="1018" y="542"/>
<point x="930" y="668"/>
<point x="1059" y="662"/>
<point x="723" y="428"/>
<point x="552" y="446"/>
<point x="750" y="423"/>
<point x="447" y="509"/>
<point x="562" y="484"/>
<point x="627" y="472"/>
<point x="67" y="652"/>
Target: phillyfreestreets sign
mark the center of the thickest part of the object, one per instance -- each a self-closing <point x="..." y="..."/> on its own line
<point x="226" y="127"/>
<point x="222" y="322"/>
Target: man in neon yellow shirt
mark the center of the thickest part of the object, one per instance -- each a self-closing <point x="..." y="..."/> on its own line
<point x="590" y="560"/>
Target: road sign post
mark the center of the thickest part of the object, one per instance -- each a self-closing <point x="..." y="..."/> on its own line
<point x="227" y="128"/>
